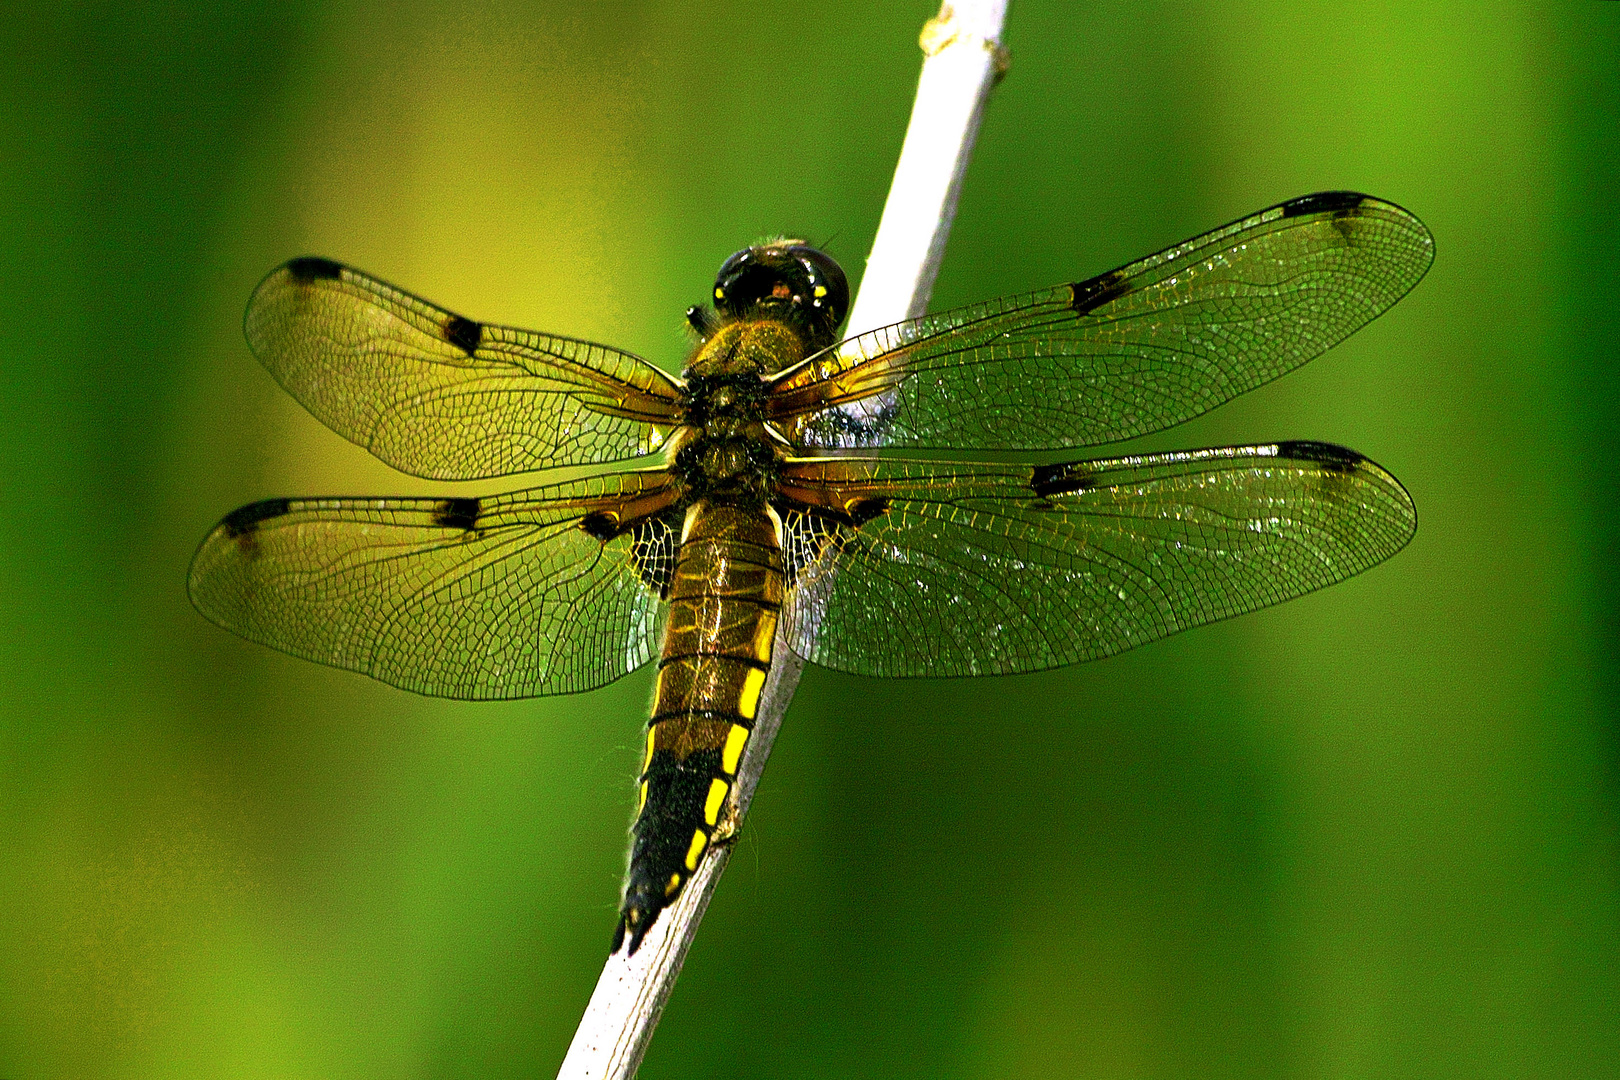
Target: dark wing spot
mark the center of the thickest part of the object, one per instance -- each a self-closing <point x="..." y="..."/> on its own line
<point x="1047" y="480"/>
<point x="1094" y="292"/>
<point x="600" y="526"/>
<point x="464" y="334"/>
<point x="312" y="268"/>
<point x="1339" y="459"/>
<point x="1323" y="202"/>
<point x="456" y="514"/>
<point x="856" y="512"/>
<point x="866" y="509"/>
<point x="243" y="522"/>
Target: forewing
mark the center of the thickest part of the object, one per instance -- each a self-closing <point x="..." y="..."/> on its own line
<point x="441" y="396"/>
<point x="940" y="569"/>
<point x="1126" y="353"/>
<point x="546" y="591"/>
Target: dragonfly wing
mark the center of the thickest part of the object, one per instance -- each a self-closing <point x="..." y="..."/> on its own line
<point x="1137" y="350"/>
<point x="546" y="591"/>
<point x="940" y="569"/>
<point x="441" y="396"/>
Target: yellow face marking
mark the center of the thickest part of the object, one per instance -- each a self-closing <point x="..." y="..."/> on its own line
<point x="641" y="802"/>
<point x="674" y="883"/>
<point x="699" y="842"/>
<point x="717" y="795"/>
<point x="753" y="683"/>
<point x="736" y="739"/>
<point x="652" y="735"/>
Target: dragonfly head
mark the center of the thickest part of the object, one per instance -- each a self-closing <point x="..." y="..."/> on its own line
<point x="789" y="281"/>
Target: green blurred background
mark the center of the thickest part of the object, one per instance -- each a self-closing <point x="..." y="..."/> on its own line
<point x="1372" y="833"/>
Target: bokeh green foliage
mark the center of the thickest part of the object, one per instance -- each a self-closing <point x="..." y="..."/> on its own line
<point x="1371" y="833"/>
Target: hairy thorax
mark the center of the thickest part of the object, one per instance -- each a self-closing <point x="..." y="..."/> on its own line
<point x="723" y="452"/>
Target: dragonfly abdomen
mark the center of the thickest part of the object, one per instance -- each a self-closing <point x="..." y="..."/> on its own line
<point x="724" y="599"/>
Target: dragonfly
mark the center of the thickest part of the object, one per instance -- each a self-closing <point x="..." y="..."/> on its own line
<point x="778" y="497"/>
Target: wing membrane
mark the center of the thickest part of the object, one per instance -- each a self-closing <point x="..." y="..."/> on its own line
<point x="441" y="396"/>
<point x="1152" y="344"/>
<point x="534" y="592"/>
<point x="942" y="569"/>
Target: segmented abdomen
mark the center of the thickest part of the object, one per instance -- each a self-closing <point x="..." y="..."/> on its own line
<point x="724" y="600"/>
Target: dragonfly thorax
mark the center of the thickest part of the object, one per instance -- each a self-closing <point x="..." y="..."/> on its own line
<point x="726" y="460"/>
<point x="759" y="347"/>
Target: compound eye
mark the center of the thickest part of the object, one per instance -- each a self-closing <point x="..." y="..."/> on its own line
<point x="786" y="280"/>
<point x="743" y="280"/>
<point x="729" y="271"/>
<point x="828" y="288"/>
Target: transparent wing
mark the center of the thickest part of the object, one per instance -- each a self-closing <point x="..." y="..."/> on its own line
<point x="546" y="591"/>
<point x="440" y="396"/>
<point x="939" y="569"/>
<point x="1133" y="351"/>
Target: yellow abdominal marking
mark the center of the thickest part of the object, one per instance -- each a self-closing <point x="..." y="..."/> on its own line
<point x="674" y="883"/>
<point x="651" y="736"/>
<point x="717" y="795"/>
<point x="753" y="683"/>
<point x="699" y="842"/>
<point x="821" y="290"/>
<point x="736" y="739"/>
<point x="764" y="637"/>
<point x="641" y="803"/>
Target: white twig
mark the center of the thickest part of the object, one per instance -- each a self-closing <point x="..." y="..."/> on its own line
<point x="964" y="58"/>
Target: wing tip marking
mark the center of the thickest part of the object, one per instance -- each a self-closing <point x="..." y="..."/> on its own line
<point x="1323" y="202"/>
<point x="308" y="268"/>
<point x="244" y="521"/>
<point x="1333" y="457"/>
